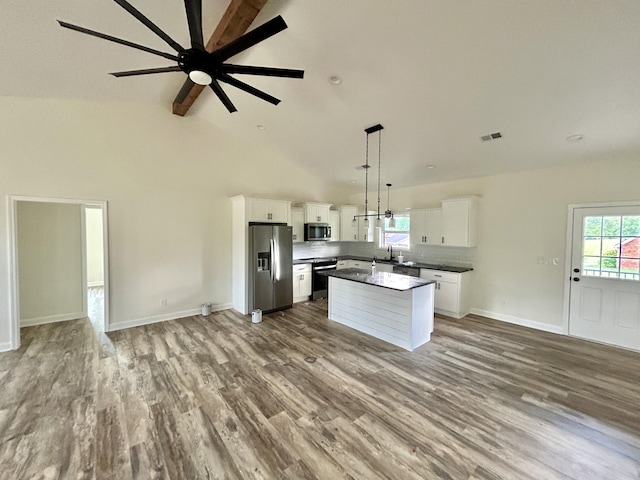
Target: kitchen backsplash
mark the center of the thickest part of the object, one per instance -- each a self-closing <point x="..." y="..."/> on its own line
<point x="318" y="249"/>
<point x="435" y="254"/>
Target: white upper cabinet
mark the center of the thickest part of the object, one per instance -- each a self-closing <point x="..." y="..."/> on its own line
<point x="271" y="211"/>
<point x="366" y="229"/>
<point x="348" y="231"/>
<point x="426" y="226"/>
<point x="418" y="225"/>
<point x="459" y="218"/>
<point x="297" y="224"/>
<point x="316" y="212"/>
<point x="334" y="223"/>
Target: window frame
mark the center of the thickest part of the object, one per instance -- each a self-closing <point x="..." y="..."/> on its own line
<point x="380" y="234"/>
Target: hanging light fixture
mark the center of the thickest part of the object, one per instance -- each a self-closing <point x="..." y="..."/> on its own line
<point x="388" y="213"/>
<point x="366" y="166"/>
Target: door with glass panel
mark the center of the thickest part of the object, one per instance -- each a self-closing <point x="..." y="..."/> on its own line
<point x="604" y="302"/>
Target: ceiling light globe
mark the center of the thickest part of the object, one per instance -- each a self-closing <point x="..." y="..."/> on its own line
<point x="200" y="77"/>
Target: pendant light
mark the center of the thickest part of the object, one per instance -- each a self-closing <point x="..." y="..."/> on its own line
<point x="366" y="166"/>
<point x="388" y="213"/>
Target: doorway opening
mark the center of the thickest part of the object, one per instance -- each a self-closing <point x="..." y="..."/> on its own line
<point x="58" y="252"/>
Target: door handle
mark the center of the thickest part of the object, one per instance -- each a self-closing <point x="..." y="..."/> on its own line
<point x="272" y="255"/>
<point x="576" y="279"/>
<point x="576" y="270"/>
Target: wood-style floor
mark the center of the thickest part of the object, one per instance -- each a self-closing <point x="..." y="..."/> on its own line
<point x="299" y="397"/>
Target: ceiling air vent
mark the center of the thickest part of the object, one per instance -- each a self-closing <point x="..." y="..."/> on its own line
<point x="491" y="136"/>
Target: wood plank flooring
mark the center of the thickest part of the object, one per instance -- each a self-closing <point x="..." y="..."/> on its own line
<point x="300" y="397"/>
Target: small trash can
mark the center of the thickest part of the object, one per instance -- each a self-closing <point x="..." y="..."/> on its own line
<point x="256" y="316"/>
<point x="206" y="309"/>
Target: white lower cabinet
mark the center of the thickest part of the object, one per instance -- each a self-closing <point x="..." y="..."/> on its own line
<point x="384" y="267"/>
<point x="359" y="264"/>
<point x="301" y="282"/>
<point x="451" y="291"/>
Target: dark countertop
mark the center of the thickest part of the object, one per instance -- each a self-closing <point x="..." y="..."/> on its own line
<point x="444" y="268"/>
<point x="392" y="281"/>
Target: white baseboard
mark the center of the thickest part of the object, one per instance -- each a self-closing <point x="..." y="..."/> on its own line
<point x="138" y="322"/>
<point x="30" y="322"/>
<point x="523" y="322"/>
<point x="5" y="347"/>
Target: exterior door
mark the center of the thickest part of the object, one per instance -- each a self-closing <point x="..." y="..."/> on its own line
<point x="604" y="298"/>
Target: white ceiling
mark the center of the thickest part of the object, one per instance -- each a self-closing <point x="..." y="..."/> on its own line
<point x="436" y="74"/>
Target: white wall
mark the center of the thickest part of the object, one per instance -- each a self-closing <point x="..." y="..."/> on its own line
<point x="523" y="216"/>
<point x="49" y="262"/>
<point x="167" y="180"/>
<point x="95" y="246"/>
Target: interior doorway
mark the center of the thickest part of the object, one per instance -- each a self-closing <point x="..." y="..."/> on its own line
<point x="94" y="252"/>
<point x="52" y="255"/>
<point x="604" y="277"/>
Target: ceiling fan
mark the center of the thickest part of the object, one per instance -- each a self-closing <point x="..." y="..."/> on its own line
<point x="202" y="67"/>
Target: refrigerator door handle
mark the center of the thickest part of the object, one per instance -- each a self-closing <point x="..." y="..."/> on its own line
<point x="276" y="257"/>
<point x="272" y="247"/>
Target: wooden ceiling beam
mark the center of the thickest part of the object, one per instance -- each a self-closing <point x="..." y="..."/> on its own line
<point x="235" y="22"/>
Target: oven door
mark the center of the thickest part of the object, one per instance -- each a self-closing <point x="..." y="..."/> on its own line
<point x="320" y="283"/>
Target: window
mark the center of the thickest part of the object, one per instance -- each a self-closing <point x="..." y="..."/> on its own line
<point x="397" y="237"/>
<point x="610" y="247"/>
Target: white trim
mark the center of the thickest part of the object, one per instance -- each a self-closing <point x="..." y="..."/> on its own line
<point x="63" y="317"/>
<point x="12" y="234"/>
<point x="523" y="322"/>
<point x="95" y="284"/>
<point x="14" y="303"/>
<point x="569" y="250"/>
<point x="83" y="260"/>
<point x="5" y="347"/>
<point x="139" y="322"/>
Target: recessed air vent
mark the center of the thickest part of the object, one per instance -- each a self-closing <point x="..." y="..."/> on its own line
<point x="491" y="136"/>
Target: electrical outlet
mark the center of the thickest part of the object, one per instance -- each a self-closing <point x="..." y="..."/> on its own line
<point x="163" y="302"/>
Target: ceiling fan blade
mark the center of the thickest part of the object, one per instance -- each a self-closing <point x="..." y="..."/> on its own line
<point x="248" y="88"/>
<point x="251" y="38"/>
<point x="149" y="24"/>
<point x="147" y="71"/>
<point x="194" y="18"/>
<point x="117" y="40"/>
<point x="267" y="71"/>
<point x="217" y="89"/>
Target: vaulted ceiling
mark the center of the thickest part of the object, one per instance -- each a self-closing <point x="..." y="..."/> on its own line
<point x="437" y="75"/>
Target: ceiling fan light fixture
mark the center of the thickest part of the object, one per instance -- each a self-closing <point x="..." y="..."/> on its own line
<point x="200" y="77"/>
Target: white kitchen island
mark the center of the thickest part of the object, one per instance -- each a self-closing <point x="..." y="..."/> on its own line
<point x="395" y="308"/>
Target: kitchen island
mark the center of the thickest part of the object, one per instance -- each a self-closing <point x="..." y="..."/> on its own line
<point x="395" y="308"/>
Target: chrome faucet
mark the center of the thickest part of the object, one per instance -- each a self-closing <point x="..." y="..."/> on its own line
<point x="390" y="250"/>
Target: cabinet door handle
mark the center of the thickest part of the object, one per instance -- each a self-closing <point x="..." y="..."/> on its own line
<point x="442" y="239"/>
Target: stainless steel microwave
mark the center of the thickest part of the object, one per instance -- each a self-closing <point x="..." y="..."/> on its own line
<point x="315" y="232"/>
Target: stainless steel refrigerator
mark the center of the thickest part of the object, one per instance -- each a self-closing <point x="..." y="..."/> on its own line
<point x="270" y="267"/>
